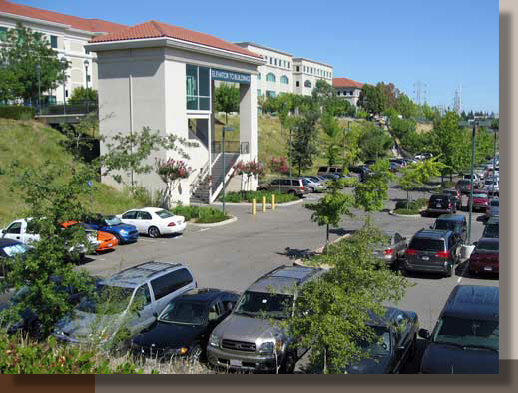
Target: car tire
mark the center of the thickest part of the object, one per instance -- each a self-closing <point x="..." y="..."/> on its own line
<point x="288" y="366"/>
<point x="153" y="232"/>
<point x="119" y="238"/>
<point x="195" y="353"/>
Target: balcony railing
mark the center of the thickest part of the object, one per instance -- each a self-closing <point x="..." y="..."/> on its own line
<point x="79" y="108"/>
<point x="230" y="147"/>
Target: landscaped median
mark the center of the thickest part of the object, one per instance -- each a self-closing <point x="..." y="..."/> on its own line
<point x="410" y="209"/>
<point x="246" y="198"/>
<point x="203" y="215"/>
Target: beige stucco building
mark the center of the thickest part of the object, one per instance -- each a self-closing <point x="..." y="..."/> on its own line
<point x="347" y="89"/>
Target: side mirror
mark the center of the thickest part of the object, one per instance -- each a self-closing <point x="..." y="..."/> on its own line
<point x="423" y="333"/>
<point x="4" y="231"/>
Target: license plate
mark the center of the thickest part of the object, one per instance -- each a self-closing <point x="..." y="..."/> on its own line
<point x="488" y="268"/>
<point x="237" y="363"/>
<point x="109" y="244"/>
<point x="438" y="205"/>
<point x="425" y="258"/>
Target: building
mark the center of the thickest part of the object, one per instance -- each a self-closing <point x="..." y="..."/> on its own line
<point x="306" y="73"/>
<point x="348" y="89"/>
<point x="161" y="76"/>
<point x="67" y="34"/>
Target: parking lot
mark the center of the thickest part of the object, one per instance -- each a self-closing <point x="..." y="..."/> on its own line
<point x="233" y="256"/>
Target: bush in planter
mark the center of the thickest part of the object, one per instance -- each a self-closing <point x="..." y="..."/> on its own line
<point x="17" y="112"/>
<point x="406" y="211"/>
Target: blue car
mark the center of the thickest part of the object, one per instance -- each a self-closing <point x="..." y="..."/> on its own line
<point x="126" y="233"/>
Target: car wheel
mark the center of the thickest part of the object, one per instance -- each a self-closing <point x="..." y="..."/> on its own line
<point x="195" y="353"/>
<point x="311" y="189"/>
<point x="119" y="238"/>
<point x="153" y="232"/>
<point x="288" y="366"/>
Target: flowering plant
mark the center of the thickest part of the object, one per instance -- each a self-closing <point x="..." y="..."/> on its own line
<point x="171" y="170"/>
<point x="250" y="168"/>
<point x="278" y="165"/>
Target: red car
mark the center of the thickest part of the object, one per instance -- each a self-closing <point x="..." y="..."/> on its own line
<point x="485" y="257"/>
<point x="480" y="200"/>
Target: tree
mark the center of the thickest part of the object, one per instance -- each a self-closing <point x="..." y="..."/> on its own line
<point x="302" y="148"/>
<point x="374" y="142"/>
<point x="10" y="87"/>
<point x="171" y="171"/>
<point x="419" y="173"/>
<point x="82" y="94"/>
<point x="332" y="131"/>
<point x="331" y="313"/>
<point x="249" y="169"/>
<point x="373" y="192"/>
<point x="390" y="92"/>
<point x="372" y="99"/>
<point x="227" y="99"/>
<point x="405" y="106"/>
<point x="23" y="51"/>
<point x="329" y="209"/>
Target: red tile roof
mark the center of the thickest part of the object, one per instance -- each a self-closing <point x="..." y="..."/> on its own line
<point x="154" y="29"/>
<point x="344" y="82"/>
<point x="92" y="25"/>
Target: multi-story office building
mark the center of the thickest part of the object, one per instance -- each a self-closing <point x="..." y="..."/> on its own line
<point x="67" y="35"/>
<point x="348" y="89"/>
<point x="306" y="73"/>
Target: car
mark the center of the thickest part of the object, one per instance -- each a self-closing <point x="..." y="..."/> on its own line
<point x="493" y="209"/>
<point x="9" y="250"/>
<point x="184" y="326"/>
<point x="312" y="185"/>
<point x="452" y="222"/>
<point x="456" y="194"/>
<point x="130" y="299"/>
<point x="104" y="240"/>
<point x="476" y="179"/>
<point x="441" y="203"/>
<point x="465" y="339"/>
<point x="492" y="187"/>
<point x="392" y="249"/>
<point x="464" y="186"/>
<point x="125" y="233"/>
<point x="480" y="200"/>
<point x="332" y="169"/>
<point x="361" y="172"/>
<point x="290" y="185"/>
<point x="423" y="156"/>
<point x="485" y="258"/>
<point x="397" y="340"/>
<point x="247" y="339"/>
<point x="154" y="221"/>
<point x="492" y="228"/>
<point x="434" y="251"/>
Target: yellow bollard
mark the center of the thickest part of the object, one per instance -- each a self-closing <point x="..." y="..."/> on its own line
<point x="264" y="203"/>
<point x="254" y="207"/>
<point x="273" y="201"/>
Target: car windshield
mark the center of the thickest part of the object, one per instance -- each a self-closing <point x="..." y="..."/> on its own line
<point x="13" y="249"/>
<point x="381" y="345"/>
<point x="107" y="300"/>
<point x="164" y="214"/>
<point x="112" y="221"/>
<point x="491" y="230"/>
<point x="421" y="244"/>
<point x="265" y="305"/>
<point x="185" y="313"/>
<point x="467" y="332"/>
<point x="479" y="195"/>
<point x="486" y="245"/>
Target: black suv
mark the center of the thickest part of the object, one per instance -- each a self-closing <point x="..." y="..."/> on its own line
<point x="453" y="222"/>
<point x="432" y="251"/>
<point x="492" y="228"/>
<point x="442" y="203"/>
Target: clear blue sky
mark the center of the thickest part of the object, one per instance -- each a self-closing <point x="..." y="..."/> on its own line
<point x="442" y="43"/>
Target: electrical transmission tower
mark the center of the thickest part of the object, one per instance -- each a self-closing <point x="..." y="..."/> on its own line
<point x="457" y="100"/>
<point x="419" y="92"/>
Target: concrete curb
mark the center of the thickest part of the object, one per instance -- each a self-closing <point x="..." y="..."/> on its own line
<point x="391" y="212"/>
<point x="214" y="224"/>
<point x="300" y="261"/>
<point x="258" y="203"/>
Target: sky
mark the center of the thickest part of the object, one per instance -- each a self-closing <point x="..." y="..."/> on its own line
<point x="443" y="44"/>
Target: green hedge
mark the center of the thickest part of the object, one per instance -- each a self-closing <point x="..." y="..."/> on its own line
<point x="17" y="112"/>
<point x="247" y="196"/>
<point x="406" y="211"/>
<point x="201" y="214"/>
<point x="412" y="205"/>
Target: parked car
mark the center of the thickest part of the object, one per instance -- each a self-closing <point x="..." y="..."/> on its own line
<point x="333" y="169"/>
<point x="432" y="251"/>
<point x="124" y="233"/>
<point x="149" y="287"/>
<point x="492" y="228"/>
<point x="184" y="326"/>
<point x="492" y="187"/>
<point x="369" y="162"/>
<point x="485" y="257"/>
<point x="288" y="185"/>
<point x="452" y="222"/>
<point x="103" y="240"/>
<point x="456" y="194"/>
<point x="476" y="180"/>
<point x="247" y="339"/>
<point x="312" y="185"/>
<point x="361" y="172"/>
<point x="480" y="200"/>
<point x="465" y="339"/>
<point x="493" y="209"/>
<point x="392" y="249"/>
<point x="9" y="250"/>
<point x="423" y="156"/>
<point x="154" y="221"/>
<point x="397" y="335"/>
<point x="464" y="186"/>
<point x="441" y="203"/>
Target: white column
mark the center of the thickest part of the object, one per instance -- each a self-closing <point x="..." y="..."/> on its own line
<point x="248" y="119"/>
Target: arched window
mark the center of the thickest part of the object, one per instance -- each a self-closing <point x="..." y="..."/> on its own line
<point x="307" y="83"/>
<point x="270" y="77"/>
<point x="284" y="79"/>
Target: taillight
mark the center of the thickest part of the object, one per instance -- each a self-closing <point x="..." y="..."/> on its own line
<point x="442" y="254"/>
<point x="171" y="224"/>
<point x="410" y="251"/>
<point x="388" y="251"/>
<point x="301" y="188"/>
<point x="449" y="205"/>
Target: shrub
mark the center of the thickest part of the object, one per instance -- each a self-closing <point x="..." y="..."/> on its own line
<point x="17" y="112"/>
<point x="412" y="205"/>
<point x="237" y="197"/>
<point x="406" y="211"/>
<point x="200" y="214"/>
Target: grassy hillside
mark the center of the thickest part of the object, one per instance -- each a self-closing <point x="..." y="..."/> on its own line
<point x="32" y="144"/>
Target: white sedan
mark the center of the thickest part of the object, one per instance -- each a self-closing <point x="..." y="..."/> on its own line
<point x="154" y="221"/>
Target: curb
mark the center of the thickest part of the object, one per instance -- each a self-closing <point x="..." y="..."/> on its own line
<point x="299" y="261"/>
<point x="214" y="224"/>
<point x="391" y="212"/>
<point x="258" y="203"/>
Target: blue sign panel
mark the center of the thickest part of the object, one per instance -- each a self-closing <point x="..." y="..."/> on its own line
<point x="230" y="76"/>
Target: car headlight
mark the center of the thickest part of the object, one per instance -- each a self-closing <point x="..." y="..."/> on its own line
<point x="270" y="346"/>
<point x="123" y="232"/>
<point x="214" y="340"/>
<point x="182" y="351"/>
<point x="59" y="332"/>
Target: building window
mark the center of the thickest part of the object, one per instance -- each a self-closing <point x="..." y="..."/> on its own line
<point x="270" y="93"/>
<point x="271" y="60"/>
<point x="284" y="79"/>
<point x="307" y="83"/>
<point x="259" y="76"/>
<point x="53" y="41"/>
<point x="259" y="92"/>
<point x="288" y="64"/>
<point x="87" y="51"/>
<point x="198" y="88"/>
<point x="297" y="83"/>
<point x="337" y="93"/>
<point x="297" y="68"/>
<point x="270" y="77"/>
<point x="3" y="33"/>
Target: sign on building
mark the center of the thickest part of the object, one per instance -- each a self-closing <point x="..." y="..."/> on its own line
<point x="230" y="76"/>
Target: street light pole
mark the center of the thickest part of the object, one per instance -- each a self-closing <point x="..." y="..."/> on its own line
<point x="38" y="68"/>
<point x="471" y="182"/>
<point x="64" y="64"/>
<point x="86" y="79"/>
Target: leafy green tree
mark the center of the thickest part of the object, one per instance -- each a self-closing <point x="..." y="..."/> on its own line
<point x="372" y="99"/>
<point x="418" y="174"/>
<point x="302" y="148"/>
<point x="374" y="142"/>
<point x="332" y="131"/>
<point x="227" y="98"/>
<point x="390" y="92"/>
<point x="330" y="208"/>
<point x="332" y="313"/>
<point x="373" y="192"/>
<point x="401" y="127"/>
<point x="428" y="112"/>
<point x="82" y="94"/>
<point x="10" y="87"/>
<point x="405" y="106"/>
<point x="23" y="51"/>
